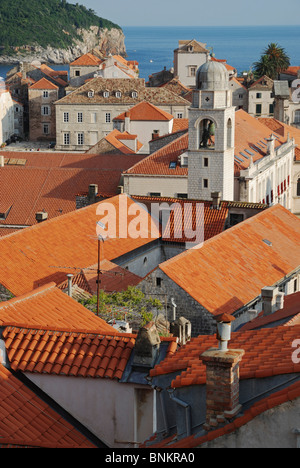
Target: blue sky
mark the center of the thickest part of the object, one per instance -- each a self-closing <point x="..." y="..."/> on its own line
<point x="196" y="12"/>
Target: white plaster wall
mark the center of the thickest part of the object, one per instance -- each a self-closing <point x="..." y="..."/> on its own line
<point x="6" y="116"/>
<point x="145" y="129"/>
<point x="144" y="185"/>
<point x="106" y="407"/>
<point x="272" y="429"/>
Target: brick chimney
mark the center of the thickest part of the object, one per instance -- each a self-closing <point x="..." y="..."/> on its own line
<point x="222" y="377"/>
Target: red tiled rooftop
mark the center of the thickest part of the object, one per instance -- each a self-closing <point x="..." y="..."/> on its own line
<point x="145" y="111"/>
<point x="159" y="162"/>
<point x="86" y="60"/>
<point x="49" y="307"/>
<point x="48" y="251"/>
<point x="43" y="83"/>
<point x="245" y="262"/>
<point x="268" y="352"/>
<point x="27" y="421"/>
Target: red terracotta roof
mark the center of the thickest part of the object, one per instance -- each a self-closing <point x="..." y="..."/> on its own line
<point x="49" y="307"/>
<point x="212" y="220"/>
<point x="268" y="352"/>
<point x="144" y="111"/>
<point x="291" y="71"/>
<point x="45" y="252"/>
<point x="43" y="84"/>
<point x="159" y="162"/>
<point x="284" y="131"/>
<point x="51" y="181"/>
<point x="94" y="354"/>
<point x="86" y="60"/>
<point x="245" y="262"/>
<point x="250" y="136"/>
<point x="27" y="421"/>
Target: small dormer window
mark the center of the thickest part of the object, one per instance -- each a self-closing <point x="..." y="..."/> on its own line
<point x="91" y="93"/>
<point x="106" y="94"/>
<point x="134" y="94"/>
<point x="118" y="94"/>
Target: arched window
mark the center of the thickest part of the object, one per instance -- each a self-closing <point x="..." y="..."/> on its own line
<point x="207" y="134"/>
<point x="229" y="133"/>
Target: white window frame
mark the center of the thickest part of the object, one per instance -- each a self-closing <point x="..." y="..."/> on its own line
<point x="66" y="138"/>
<point x="91" y="93"/>
<point x="106" y="94"/>
<point x="118" y="94"/>
<point x="66" y="117"/>
<point x="44" y="112"/>
<point x="107" y="117"/>
<point x="179" y="115"/>
<point x="80" y="138"/>
<point x="79" y="117"/>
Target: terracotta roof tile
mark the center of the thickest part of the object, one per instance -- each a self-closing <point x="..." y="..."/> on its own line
<point x="159" y="162"/>
<point x="45" y="252"/>
<point x="145" y="111"/>
<point x="86" y="60"/>
<point x="242" y="254"/>
<point x="27" y="421"/>
<point x="46" y="307"/>
<point x="43" y="83"/>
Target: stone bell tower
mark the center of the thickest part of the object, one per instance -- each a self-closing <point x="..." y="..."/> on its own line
<point x="211" y="135"/>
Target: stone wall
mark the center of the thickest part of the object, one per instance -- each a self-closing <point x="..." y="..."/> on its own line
<point x="5" y="295"/>
<point x="159" y="286"/>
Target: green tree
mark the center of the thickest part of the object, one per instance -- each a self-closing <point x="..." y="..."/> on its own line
<point x="273" y="61"/>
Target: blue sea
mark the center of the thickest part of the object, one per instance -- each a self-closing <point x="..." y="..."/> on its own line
<point x="153" y="46"/>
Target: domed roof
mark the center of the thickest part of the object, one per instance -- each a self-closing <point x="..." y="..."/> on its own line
<point x="212" y="76"/>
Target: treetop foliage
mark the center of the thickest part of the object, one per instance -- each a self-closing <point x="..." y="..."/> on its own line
<point x="51" y="23"/>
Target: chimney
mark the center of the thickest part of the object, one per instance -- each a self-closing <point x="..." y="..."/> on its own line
<point x="216" y="200"/>
<point x="1" y="161"/>
<point x="268" y="299"/>
<point x="280" y="301"/>
<point x="41" y="216"/>
<point x="146" y="346"/>
<point x="93" y="192"/>
<point x="155" y="134"/>
<point x="182" y="329"/>
<point x="70" y="276"/>
<point x="271" y="146"/>
<point x="222" y="377"/>
<point x="127" y="122"/>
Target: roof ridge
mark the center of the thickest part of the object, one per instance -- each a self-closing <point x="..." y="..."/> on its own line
<point x="71" y="332"/>
<point x="39" y="290"/>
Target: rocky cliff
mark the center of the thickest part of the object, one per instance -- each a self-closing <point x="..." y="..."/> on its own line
<point x="105" y="40"/>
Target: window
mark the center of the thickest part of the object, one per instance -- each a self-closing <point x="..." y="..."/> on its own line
<point x="118" y="94"/>
<point x="258" y="109"/>
<point x="258" y="95"/>
<point x="79" y="117"/>
<point x="91" y="94"/>
<point x="155" y="194"/>
<point x="182" y="195"/>
<point x="45" y="94"/>
<point x="158" y="282"/>
<point x="295" y="285"/>
<point x="271" y="109"/>
<point x="46" y="129"/>
<point x="134" y="94"/>
<point x="66" y="138"/>
<point x="80" y="138"/>
<point x="172" y="165"/>
<point x="106" y="94"/>
<point x="205" y="183"/>
<point x="193" y="71"/>
<point x="235" y="218"/>
<point x="179" y="115"/>
<point x="45" y="110"/>
<point x="205" y="162"/>
<point x="77" y="72"/>
<point x="298" y="188"/>
<point x="241" y="96"/>
<point x="66" y="117"/>
<point x="297" y="116"/>
<point x="107" y="117"/>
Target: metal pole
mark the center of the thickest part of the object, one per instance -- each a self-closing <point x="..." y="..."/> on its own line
<point x="98" y="277"/>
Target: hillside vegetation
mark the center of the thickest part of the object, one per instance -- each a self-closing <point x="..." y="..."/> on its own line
<point x="45" y="23"/>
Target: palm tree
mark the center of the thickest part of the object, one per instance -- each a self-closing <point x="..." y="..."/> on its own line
<point x="273" y="62"/>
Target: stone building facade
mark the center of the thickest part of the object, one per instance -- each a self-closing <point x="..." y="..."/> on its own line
<point x="86" y="115"/>
<point x="41" y="97"/>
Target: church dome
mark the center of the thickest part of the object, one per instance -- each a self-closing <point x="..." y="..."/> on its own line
<point x="212" y="76"/>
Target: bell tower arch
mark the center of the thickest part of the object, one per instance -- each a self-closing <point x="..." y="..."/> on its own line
<point x="211" y="135"/>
